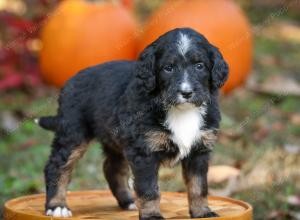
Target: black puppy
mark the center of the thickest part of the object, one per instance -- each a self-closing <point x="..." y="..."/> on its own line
<point x="159" y="109"/>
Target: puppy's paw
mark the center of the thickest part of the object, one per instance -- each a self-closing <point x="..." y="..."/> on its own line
<point x="61" y="212"/>
<point x="210" y="215"/>
<point x="128" y="205"/>
<point x="206" y="215"/>
<point x="131" y="207"/>
<point x="152" y="217"/>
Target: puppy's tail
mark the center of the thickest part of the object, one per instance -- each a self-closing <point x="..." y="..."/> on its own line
<point x="50" y="123"/>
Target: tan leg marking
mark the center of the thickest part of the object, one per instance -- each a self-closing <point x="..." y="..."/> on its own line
<point x="198" y="204"/>
<point x="65" y="176"/>
<point x="148" y="208"/>
<point x="121" y="177"/>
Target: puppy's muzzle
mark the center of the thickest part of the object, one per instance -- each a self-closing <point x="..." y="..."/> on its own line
<point x="186" y="93"/>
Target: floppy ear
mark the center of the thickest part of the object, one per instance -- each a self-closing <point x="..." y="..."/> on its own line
<point x="220" y="69"/>
<point x="146" y="69"/>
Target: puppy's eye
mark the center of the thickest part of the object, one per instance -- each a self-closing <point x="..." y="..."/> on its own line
<point x="199" y="66"/>
<point x="168" y="68"/>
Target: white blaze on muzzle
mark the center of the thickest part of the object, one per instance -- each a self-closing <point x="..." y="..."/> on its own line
<point x="185" y="85"/>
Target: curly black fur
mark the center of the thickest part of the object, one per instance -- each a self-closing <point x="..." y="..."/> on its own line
<point x="121" y="101"/>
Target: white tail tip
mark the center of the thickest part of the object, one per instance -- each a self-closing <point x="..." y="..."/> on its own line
<point x="36" y="120"/>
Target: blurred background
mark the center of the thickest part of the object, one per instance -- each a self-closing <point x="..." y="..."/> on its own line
<point x="257" y="158"/>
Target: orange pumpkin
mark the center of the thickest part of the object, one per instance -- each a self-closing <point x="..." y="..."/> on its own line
<point x="222" y="23"/>
<point x="82" y="33"/>
<point x="129" y="4"/>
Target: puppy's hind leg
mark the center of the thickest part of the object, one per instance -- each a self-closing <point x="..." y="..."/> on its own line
<point x="67" y="148"/>
<point x="116" y="171"/>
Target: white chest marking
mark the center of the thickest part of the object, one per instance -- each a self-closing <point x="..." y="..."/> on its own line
<point x="185" y="123"/>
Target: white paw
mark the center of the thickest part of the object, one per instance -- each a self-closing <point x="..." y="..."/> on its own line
<point x="132" y="207"/>
<point x="59" y="212"/>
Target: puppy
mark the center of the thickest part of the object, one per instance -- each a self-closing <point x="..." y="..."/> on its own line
<point x="160" y="109"/>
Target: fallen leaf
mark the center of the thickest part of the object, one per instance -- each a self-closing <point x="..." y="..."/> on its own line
<point x="292" y="149"/>
<point x="29" y="143"/>
<point x="276" y="214"/>
<point x="276" y="85"/>
<point x="296" y="215"/>
<point x="261" y="134"/>
<point x="288" y="31"/>
<point x="295" y="119"/>
<point x="221" y="173"/>
<point x="278" y="126"/>
<point x="293" y="200"/>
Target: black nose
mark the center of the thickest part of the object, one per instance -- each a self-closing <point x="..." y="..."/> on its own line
<point x="186" y="93"/>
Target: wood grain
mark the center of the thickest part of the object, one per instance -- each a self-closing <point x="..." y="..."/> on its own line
<point x="96" y="205"/>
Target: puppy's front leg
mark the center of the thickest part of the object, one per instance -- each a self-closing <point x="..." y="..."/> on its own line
<point x="194" y="169"/>
<point x="145" y="171"/>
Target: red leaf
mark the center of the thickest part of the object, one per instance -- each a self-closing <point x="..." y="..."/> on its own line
<point x="14" y="21"/>
<point x="11" y="81"/>
<point x="7" y="56"/>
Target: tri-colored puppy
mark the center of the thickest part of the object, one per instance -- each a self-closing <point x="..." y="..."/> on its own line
<point x="160" y="109"/>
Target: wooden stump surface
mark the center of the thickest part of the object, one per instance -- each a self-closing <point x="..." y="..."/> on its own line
<point x="102" y="205"/>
